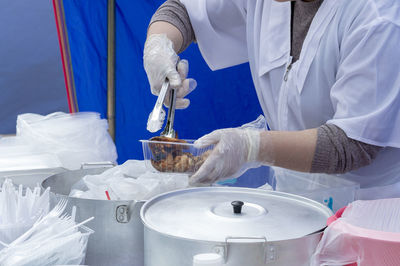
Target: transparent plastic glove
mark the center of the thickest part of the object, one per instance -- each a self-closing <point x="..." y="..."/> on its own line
<point x="160" y="62"/>
<point x="234" y="148"/>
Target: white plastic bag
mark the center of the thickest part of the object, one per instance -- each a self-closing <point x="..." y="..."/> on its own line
<point x="16" y="154"/>
<point x="129" y="181"/>
<point x="74" y="138"/>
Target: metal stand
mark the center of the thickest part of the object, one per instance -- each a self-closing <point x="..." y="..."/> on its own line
<point x="111" y="67"/>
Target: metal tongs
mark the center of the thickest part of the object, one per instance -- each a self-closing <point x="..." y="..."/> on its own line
<point x="157" y="116"/>
<point x="169" y="131"/>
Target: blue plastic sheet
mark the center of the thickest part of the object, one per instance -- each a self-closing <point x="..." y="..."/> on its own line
<point x="253" y="178"/>
<point x="31" y="76"/>
<point x="224" y="98"/>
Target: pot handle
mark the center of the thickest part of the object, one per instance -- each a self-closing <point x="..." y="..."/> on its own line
<point x="124" y="212"/>
<point x="269" y="250"/>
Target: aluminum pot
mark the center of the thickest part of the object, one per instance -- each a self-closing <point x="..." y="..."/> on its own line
<point x="246" y="226"/>
<point x="30" y="177"/>
<point x="118" y="236"/>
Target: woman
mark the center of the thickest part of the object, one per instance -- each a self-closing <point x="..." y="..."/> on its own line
<point x="326" y="74"/>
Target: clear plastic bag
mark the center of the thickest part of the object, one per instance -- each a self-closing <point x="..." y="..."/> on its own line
<point x="129" y="181"/>
<point x="367" y="234"/>
<point x="333" y="191"/>
<point x="381" y="215"/>
<point x="16" y="154"/>
<point x="74" y="138"/>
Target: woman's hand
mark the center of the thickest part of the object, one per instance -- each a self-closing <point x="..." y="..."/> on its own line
<point x="237" y="147"/>
<point x="161" y="62"/>
<point x="234" y="147"/>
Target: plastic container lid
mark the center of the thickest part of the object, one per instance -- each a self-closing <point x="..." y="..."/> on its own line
<point x="215" y="213"/>
<point x="208" y="259"/>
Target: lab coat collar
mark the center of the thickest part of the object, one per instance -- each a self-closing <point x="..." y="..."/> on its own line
<point x="275" y="37"/>
<point x="318" y="26"/>
<point x="274" y="45"/>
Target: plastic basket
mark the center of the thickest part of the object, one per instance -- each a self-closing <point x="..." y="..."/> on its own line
<point x="86" y="232"/>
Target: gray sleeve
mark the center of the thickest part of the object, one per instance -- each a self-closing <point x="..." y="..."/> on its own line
<point x="337" y="154"/>
<point x="174" y="12"/>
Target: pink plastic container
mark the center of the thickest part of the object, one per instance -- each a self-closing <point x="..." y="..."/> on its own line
<point x="346" y="244"/>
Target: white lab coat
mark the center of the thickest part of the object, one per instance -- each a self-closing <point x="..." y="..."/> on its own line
<point x="347" y="75"/>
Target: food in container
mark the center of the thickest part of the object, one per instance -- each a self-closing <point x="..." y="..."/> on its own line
<point x="174" y="155"/>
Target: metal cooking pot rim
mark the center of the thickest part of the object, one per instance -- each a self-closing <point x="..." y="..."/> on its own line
<point x="219" y="224"/>
<point x="80" y="173"/>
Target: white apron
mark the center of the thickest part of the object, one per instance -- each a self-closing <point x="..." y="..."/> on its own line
<point x="347" y="74"/>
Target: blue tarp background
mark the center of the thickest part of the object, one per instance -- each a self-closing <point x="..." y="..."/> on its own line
<point x="31" y="75"/>
<point x="224" y="98"/>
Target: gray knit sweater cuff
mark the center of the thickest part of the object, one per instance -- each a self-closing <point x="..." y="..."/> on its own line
<point x="175" y="13"/>
<point x="337" y="154"/>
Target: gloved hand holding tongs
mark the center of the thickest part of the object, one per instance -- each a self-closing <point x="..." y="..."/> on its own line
<point x="161" y="62"/>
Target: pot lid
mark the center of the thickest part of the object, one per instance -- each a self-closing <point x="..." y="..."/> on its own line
<point x="215" y="213"/>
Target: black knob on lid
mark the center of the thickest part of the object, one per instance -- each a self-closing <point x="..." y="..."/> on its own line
<point x="237" y="206"/>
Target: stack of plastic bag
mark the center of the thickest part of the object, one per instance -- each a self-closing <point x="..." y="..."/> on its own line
<point x="19" y="210"/>
<point x="16" y="154"/>
<point x="74" y="138"/>
<point x="366" y="234"/>
<point x="55" y="239"/>
<point x="129" y="181"/>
